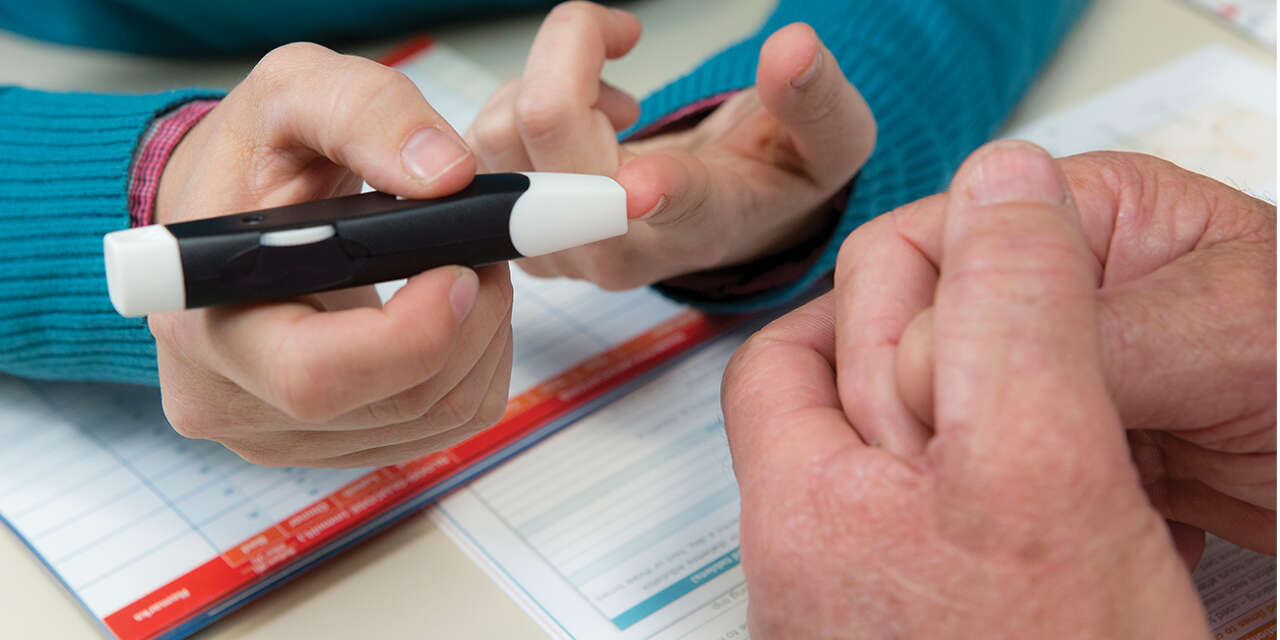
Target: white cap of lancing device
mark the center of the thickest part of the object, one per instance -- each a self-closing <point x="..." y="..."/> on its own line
<point x="343" y="242"/>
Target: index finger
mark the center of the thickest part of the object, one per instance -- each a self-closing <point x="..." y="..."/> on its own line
<point x="781" y="407"/>
<point x="885" y="277"/>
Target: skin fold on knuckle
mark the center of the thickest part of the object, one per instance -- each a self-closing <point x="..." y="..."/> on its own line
<point x="405" y="406"/>
<point x="305" y="390"/>
<point x="749" y="372"/>
<point x="263" y="456"/>
<point x="188" y="421"/>
<point x="369" y="93"/>
<point x="455" y="409"/>
<point x="541" y="116"/>
<point x="577" y="16"/>
<point x="492" y="135"/>
<point x="492" y="408"/>
<point x="278" y="67"/>
<point x="849" y="259"/>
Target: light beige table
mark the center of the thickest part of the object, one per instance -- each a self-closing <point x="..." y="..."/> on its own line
<point x="411" y="581"/>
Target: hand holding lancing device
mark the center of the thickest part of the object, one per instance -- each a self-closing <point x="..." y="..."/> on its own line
<point x="751" y="179"/>
<point x="333" y="379"/>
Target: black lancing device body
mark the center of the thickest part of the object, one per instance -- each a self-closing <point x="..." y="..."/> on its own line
<point x="355" y="240"/>
<point x="377" y="237"/>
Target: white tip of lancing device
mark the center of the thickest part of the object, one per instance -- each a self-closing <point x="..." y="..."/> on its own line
<point x="144" y="271"/>
<point x="565" y="210"/>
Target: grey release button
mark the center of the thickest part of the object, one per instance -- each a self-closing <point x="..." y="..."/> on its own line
<point x="296" y="237"/>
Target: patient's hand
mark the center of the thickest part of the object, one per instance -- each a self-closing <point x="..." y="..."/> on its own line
<point x="933" y="450"/>
<point x="753" y="178"/>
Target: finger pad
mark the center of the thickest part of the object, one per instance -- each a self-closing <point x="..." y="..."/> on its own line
<point x="785" y="55"/>
<point x="646" y="180"/>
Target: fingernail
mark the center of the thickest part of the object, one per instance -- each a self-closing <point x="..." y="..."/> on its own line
<point x="656" y="208"/>
<point x="1015" y="171"/>
<point x="810" y="72"/>
<point x="430" y="153"/>
<point x="462" y="296"/>
<point x="620" y="13"/>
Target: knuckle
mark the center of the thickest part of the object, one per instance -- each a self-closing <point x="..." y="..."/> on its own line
<point x="430" y="355"/>
<point x="453" y="410"/>
<point x="748" y="371"/>
<point x="742" y="361"/>
<point x="494" y="127"/>
<point x="573" y="10"/>
<point x="164" y="328"/>
<point x="303" y="394"/>
<point x="492" y="408"/>
<point x="737" y="364"/>
<point x="195" y="425"/>
<point x="279" y="63"/>
<point x="407" y="406"/>
<point x="261" y="457"/>
<point x="389" y="80"/>
<point x="492" y="134"/>
<point x="539" y="115"/>
<point x="850" y="248"/>
<point x="371" y="91"/>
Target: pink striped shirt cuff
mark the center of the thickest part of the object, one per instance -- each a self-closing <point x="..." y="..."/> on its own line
<point x="697" y="108"/>
<point x="153" y="153"/>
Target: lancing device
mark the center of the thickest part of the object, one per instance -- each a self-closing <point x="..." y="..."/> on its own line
<point x="354" y="240"/>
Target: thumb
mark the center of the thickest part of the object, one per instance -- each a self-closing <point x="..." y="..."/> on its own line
<point x="800" y="83"/>
<point x="359" y="114"/>
<point x="1018" y="367"/>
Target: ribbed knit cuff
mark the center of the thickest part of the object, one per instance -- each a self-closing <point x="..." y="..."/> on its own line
<point x="64" y="178"/>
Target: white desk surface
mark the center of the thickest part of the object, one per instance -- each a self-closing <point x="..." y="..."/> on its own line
<point x="411" y="581"/>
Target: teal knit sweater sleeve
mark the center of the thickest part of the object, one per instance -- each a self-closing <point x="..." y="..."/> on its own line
<point x="64" y="172"/>
<point x="940" y="76"/>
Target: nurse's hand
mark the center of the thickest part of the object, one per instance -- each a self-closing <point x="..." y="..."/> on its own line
<point x="333" y="379"/>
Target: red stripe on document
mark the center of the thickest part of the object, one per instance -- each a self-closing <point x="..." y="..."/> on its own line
<point x="370" y="495"/>
<point x="408" y="50"/>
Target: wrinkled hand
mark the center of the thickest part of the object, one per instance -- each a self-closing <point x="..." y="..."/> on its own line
<point x="753" y="178"/>
<point x="333" y="379"/>
<point x="1187" y="312"/>
<point x="933" y="449"/>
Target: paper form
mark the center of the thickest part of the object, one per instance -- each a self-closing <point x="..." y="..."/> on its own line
<point x="118" y="504"/>
<point x="149" y="529"/>
<point x="1257" y="18"/>
<point x="1238" y="588"/>
<point x="1212" y="112"/>
<point x="624" y="525"/>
